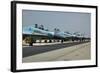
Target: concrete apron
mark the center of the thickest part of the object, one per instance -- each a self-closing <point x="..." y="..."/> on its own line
<point x="76" y="52"/>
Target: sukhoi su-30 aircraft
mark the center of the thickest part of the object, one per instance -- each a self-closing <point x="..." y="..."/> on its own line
<point x="33" y="33"/>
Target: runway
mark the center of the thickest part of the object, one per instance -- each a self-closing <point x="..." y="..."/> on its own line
<point x="33" y="50"/>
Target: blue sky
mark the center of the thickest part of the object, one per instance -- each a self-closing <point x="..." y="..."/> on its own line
<point x="65" y="21"/>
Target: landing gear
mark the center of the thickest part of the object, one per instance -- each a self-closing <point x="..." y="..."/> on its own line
<point x="62" y="41"/>
<point x="45" y="41"/>
<point x="50" y="41"/>
<point x="30" y="44"/>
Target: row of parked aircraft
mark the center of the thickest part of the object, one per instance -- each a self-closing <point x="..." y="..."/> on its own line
<point x="32" y="33"/>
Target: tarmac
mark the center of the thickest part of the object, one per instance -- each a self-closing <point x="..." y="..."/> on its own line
<point x="75" y="52"/>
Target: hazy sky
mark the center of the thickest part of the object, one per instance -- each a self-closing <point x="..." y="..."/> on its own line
<point x="65" y="21"/>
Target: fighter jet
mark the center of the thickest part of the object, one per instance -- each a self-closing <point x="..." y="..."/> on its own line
<point x="32" y="33"/>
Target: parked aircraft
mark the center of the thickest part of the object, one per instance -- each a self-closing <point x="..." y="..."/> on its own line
<point x="32" y="33"/>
